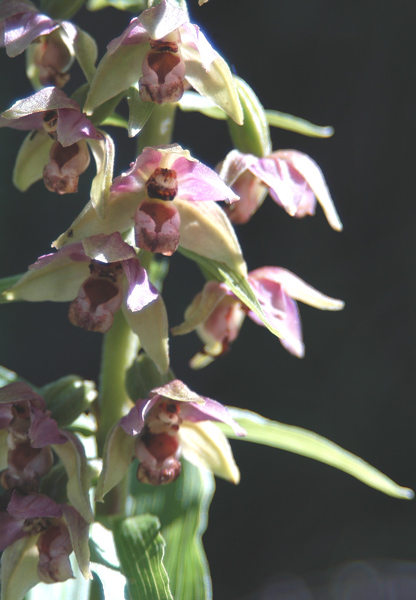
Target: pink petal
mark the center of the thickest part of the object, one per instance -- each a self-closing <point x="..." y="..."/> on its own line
<point x="162" y="19"/>
<point x="197" y="182"/>
<point x="210" y="411"/>
<point x="32" y="506"/>
<point x="135" y="178"/>
<point x="157" y="226"/>
<point x="22" y="28"/>
<point x="74" y="252"/>
<point x="134" y="421"/>
<point x="107" y="248"/>
<point x="193" y="37"/>
<point x="11" y="530"/>
<point x="141" y="292"/>
<point x="73" y="126"/>
<point x="44" y="430"/>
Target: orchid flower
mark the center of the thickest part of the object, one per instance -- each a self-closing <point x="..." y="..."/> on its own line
<point x="217" y="315"/>
<point x="169" y="198"/>
<point x="52" y="45"/>
<point x="162" y="51"/>
<point x="172" y="422"/>
<point x="28" y="435"/>
<point x="100" y="275"/>
<point x="293" y="180"/>
<point x="57" y="148"/>
<point x="55" y="529"/>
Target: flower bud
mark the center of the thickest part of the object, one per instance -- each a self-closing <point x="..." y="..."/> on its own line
<point x="68" y="397"/>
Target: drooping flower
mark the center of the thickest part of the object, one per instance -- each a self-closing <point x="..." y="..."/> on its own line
<point x="293" y="180"/>
<point x="57" y="148"/>
<point x="169" y="198"/>
<point x="52" y="45"/>
<point x="162" y="51"/>
<point x="28" y="436"/>
<point x="55" y="530"/>
<point x="217" y="314"/>
<point x="172" y="422"/>
<point x="99" y="276"/>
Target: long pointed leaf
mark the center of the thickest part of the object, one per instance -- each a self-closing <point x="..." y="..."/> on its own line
<point x="182" y="508"/>
<point x="312" y="445"/>
<point x="140" y="548"/>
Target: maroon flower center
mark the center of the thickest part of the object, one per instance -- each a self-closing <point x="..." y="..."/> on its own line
<point x="162" y="184"/>
<point x="35" y="525"/>
<point x="50" y="123"/>
<point x="162" y="63"/>
<point x="99" y="291"/>
<point x="163" y="46"/>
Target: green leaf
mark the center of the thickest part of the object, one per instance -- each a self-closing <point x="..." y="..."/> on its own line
<point x="68" y="397"/>
<point x="182" y="507"/>
<point x="115" y="120"/>
<point x="237" y="283"/>
<point x="312" y="445"/>
<point x="296" y="124"/>
<point x="86" y="53"/>
<point x="140" y="549"/>
<point x="61" y="9"/>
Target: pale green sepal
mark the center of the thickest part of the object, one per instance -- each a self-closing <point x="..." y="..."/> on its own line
<point x="19" y="568"/>
<point x="86" y="52"/>
<point x="106" y="109"/>
<point x="61" y="9"/>
<point x="68" y="397"/>
<point x="194" y="102"/>
<point x="139" y="111"/>
<point x="151" y="325"/>
<point x="5" y="284"/>
<point x="32" y="71"/>
<point x="115" y="73"/>
<point x="58" y="281"/>
<point x="312" y="445"/>
<point x="134" y="6"/>
<point x="118" y="217"/>
<point x="296" y="124"/>
<point x="79" y="534"/>
<point x="216" y="83"/>
<point x="235" y="281"/>
<point x="72" y="455"/>
<point x="143" y="376"/>
<point x="200" y="308"/>
<point x="182" y="507"/>
<point x="206" y="230"/>
<point x="253" y="136"/>
<point x="117" y="456"/>
<point x="33" y="155"/>
<point x="204" y="445"/>
<point x="103" y="152"/>
<point x="140" y="549"/>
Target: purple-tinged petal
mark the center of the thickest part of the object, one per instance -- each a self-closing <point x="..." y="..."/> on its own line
<point x="197" y="182"/>
<point x="312" y="174"/>
<point x="32" y="506"/>
<point x="135" y="33"/>
<point x="54" y="547"/>
<point x="73" y="126"/>
<point x="134" y="421"/>
<point x="11" y="530"/>
<point x="201" y="307"/>
<point x="234" y="165"/>
<point x="22" y="28"/>
<point x="9" y="8"/>
<point x="44" y="430"/>
<point x="162" y="19"/>
<point x="211" y="411"/>
<point x="140" y="292"/>
<point x="20" y="392"/>
<point x="107" y="248"/>
<point x="177" y="390"/>
<point x="73" y="252"/>
<point x="135" y="178"/>
<point x="46" y="99"/>
<point x="5" y="416"/>
<point x="283" y="187"/>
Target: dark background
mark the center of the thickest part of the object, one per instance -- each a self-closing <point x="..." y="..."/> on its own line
<point x="288" y="530"/>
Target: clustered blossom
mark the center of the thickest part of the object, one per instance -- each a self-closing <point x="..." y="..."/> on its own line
<point x="22" y="26"/>
<point x="99" y="276"/>
<point x="217" y="314"/>
<point x="293" y="180"/>
<point x="171" y="422"/>
<point x="56" y="148"/>
<point x="163" y="52"/>
<point x="57" y="529"/>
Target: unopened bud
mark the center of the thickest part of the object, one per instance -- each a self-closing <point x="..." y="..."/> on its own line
<point x="68" y="397"/>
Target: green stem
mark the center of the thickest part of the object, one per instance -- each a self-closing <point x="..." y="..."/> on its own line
<point x="159" y="127"/>
<point x="120" y="348"/>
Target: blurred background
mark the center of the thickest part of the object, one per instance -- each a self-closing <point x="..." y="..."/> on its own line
<point x="293" y="528"/>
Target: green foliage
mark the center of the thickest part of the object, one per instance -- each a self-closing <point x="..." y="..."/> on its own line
<point x="182" y="508"/>
<point x="312" y="445"/>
